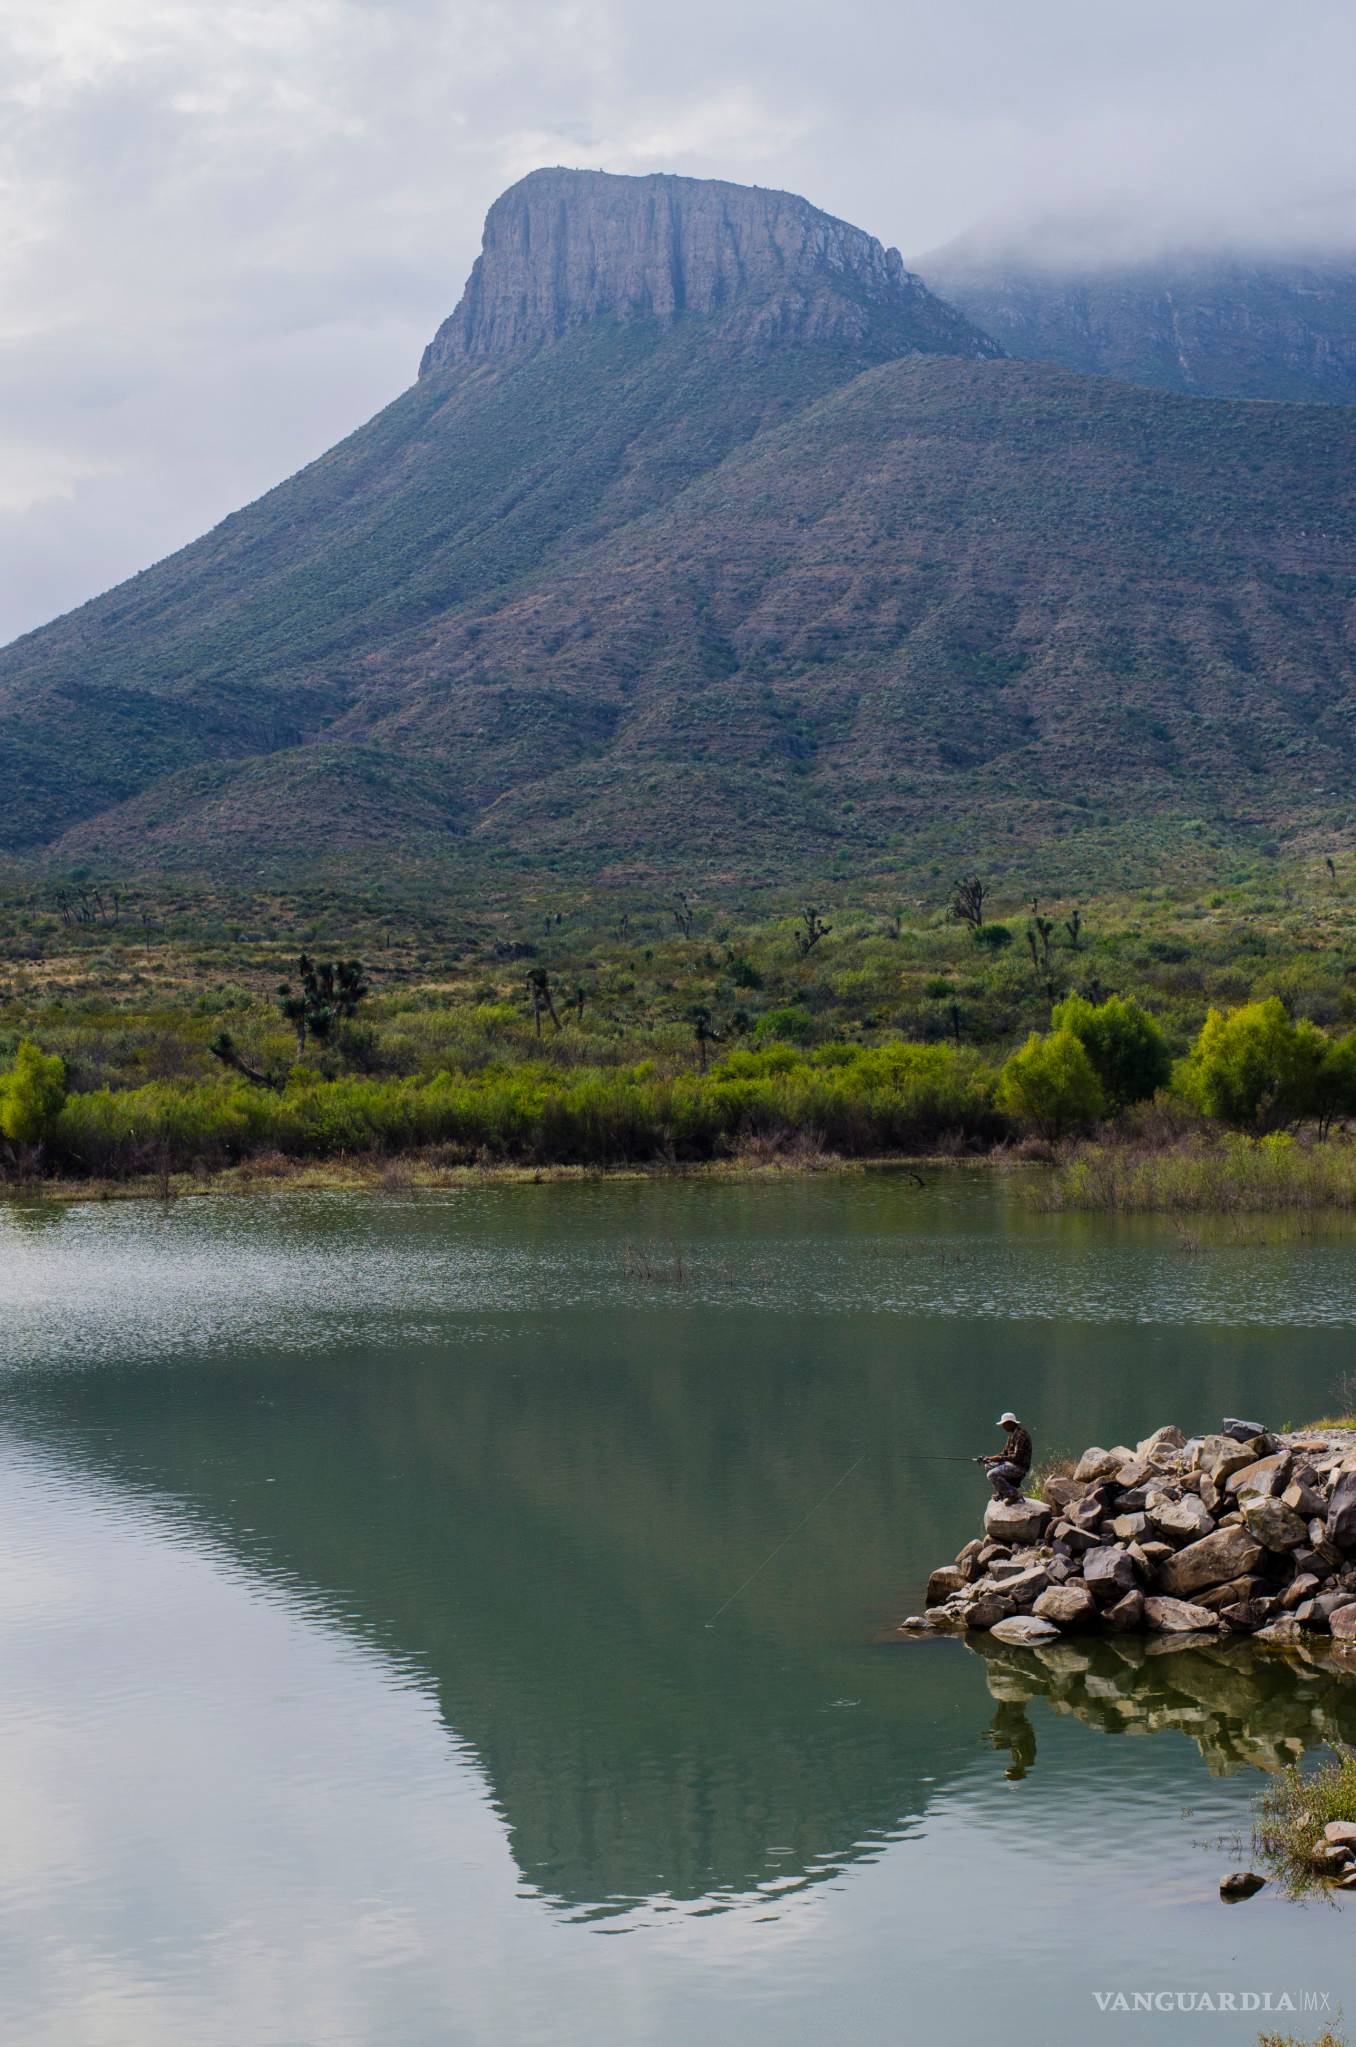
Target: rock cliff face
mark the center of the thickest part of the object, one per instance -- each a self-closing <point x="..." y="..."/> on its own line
<point x="564" y="248"/>
<point x="1216" y="326"/>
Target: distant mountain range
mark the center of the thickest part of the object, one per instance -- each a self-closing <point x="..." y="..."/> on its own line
<point x="1219" y="326"/>
<point x="709" y="539"/>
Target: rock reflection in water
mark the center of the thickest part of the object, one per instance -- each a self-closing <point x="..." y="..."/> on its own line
<point x="1244" y="1708"/>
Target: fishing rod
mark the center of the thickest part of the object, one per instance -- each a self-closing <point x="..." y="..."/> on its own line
<point x="909" y="1456"/>
<point x="757" y="1571"/>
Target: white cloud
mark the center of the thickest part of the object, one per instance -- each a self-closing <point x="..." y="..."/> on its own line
<point x="226" y="231"/>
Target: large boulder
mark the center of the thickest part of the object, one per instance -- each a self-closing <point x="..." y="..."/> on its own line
<point x="1341" y="1524"/>
<point x="1019" y="1520"/>
<point x="1062" y="1492"/>
<point x="1108" y="1573"/>
<point x="1025" y="1630"/>
<point x="1246" y="1616"/>
<point x="1215" y="1559"/>
<point x="1342" y="1623"/>
<point x="1023" y="1588"/>
<point x="1159" y="1446"/>
<point x="1068" y="1606"/>
<point x="1231" y="1457"/>
<point x="1126" y="1615"/>
<point x="1242" y="1432"/>
<point x="944" y="1584"/>
<point x="1180" y="1520"/>
<point x="1273" y="1524"/>
<point x="1097" y="1463"/>
<point x="988" y="1610"/>
<point x="1263" y="1477"/>
<point x="1217" y="1597"/>
<point x="1178" y="1617"/>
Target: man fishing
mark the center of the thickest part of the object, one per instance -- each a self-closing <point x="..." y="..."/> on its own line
<point x="1008" y="1467"/>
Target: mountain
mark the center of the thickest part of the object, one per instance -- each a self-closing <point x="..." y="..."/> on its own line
<point x="1218" y="325"/>
<point x="708" y="539"/>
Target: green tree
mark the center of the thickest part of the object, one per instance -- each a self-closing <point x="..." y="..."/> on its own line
<point x="1128" y="1051"/>
<point x="32" y="1094"/>
<point x="1051" y="1084"/>
<point x="1255" y="1068"/>
<point x="1334" y="1089"/>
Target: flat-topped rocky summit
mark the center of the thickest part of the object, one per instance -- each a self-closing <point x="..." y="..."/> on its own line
<point x="1244" y="1532"/>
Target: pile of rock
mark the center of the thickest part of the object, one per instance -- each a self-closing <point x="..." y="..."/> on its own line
<point x="1246" y="1532"/>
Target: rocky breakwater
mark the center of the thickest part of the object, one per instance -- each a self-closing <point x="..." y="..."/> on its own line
<point x="1244" y="1532"/>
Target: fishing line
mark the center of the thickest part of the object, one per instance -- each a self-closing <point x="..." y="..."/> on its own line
<point x="785" y="1539"/>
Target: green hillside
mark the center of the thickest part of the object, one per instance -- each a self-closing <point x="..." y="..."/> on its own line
<point x="802" y="580"/>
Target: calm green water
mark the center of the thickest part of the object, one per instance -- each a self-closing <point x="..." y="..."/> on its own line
<point x="356" y="1676"/>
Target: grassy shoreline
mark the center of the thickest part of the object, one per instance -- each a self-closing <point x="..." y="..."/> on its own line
<point x="414" y="1173"/>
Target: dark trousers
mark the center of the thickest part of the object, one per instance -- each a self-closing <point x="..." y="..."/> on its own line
<point x="1006" y="1480"/>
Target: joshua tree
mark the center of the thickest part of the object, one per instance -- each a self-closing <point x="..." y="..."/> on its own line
<point x="1039" y="931"/>
<point x="702" y="1031"/>
<point x="967" y="902"/>
<point x="1074" y="926"/>
<point x="814" y="929"/>
<point x="683" y="913"/>
<point x="330" y="993"/>
<point x="539" y="991"/>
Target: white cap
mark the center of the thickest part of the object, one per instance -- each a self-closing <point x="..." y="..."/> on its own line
<point x="1007" y="1419"/>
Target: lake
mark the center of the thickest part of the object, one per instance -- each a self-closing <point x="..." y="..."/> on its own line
<point x="392" y="1653"/>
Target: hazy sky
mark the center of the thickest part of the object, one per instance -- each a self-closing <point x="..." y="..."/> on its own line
<point x="227" y="227"/>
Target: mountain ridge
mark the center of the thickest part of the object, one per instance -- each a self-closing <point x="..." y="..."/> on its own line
<point x="1214" y="323"/>
<point x="683" y="587"/>
<point x="564" y="248"/>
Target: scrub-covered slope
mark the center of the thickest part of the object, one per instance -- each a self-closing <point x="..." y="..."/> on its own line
<point x="707" y="535"/>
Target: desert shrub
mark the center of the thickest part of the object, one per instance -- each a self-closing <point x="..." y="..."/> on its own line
<point x="793" y="1025"/>
<point x="31" y="1094"/>
<point x="1128" y="1051"/>
<point x="1254" y="1068"/>
<point x="1051" y="1085"/>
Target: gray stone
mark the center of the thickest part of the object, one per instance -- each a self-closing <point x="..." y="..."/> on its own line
<point x="1241" y="1883"/>
<point x="1274" y="1526"/>
<point x="1019" y="1520"/>
<point x="1342" y="1622"/>
<point x="1160" y="1443"/>
<point x="1129" y="1527"/>
<point x="1341" y="1523"/>
<point x="1062" y="1492"/>
<point x="1096" y="1463"/>
<point x="943" y="1583"/>
<point x="1108" y="1573"/>
<point x="1133" y="1474"/>
<point x="1126" y="1615"/>
<point x="1298" y="1590"/>
<point x="967" y="1559"/>
<point x="1224" y="1554"/>
<point x="1232" y="1457"/>
<point x="988" y="1610"/>
<point x="1342" y="1833"/>
<point x="1242" y="1432"/>
<point x="1068" y="1606"/>
<point x="1025" y="1629"/>
<point x="1246" y="1616"/>
<point x="1025" y="1588"/>
<point x="1178" y="1617"/>
<point x="1262" y="1478"/>
<point x="1186" y="1519"/>
<point x="1302" y="1499"/>
<point x="1217" y="1597"/>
